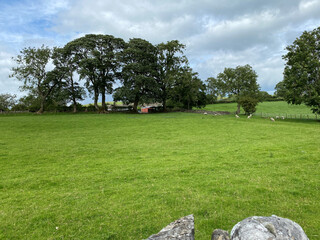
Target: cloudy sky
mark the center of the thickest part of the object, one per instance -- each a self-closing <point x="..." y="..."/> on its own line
<point x="217" y="33"/>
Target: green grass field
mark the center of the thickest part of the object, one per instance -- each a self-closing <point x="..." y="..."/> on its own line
<point x="126" y="176"/>
<point x="271" y="108"/>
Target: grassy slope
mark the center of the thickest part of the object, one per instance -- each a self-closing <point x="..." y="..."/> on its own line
<point x="121" y="176"/>
<point x="278" y="108"/>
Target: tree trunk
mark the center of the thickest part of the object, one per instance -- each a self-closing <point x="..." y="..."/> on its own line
<point x="74" y="105"/>
<point x="164" y="105"/>
<point x="238" y="108"/>
<point x="164" y="100"/>
<point x="103" y="94"/>
<point x="96" y="96"/>
<point x="73" y="95"/>
<point x="135" y="105"/>
<point x="40" y="111"/>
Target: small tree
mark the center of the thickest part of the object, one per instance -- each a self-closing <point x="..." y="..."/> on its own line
<point x="239" y="81"/>
<point x="248" y="104"/>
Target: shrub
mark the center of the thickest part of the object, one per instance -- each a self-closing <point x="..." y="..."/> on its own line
<point x="248" y="104"/>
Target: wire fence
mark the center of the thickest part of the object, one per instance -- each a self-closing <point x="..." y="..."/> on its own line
<point x="288" y="116"/>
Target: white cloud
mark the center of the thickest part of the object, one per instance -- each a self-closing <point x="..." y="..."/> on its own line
<point x="218" y="34"/>
<point x="7" y="85"/>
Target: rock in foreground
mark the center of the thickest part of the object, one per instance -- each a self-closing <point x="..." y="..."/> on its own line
<point x="220" y="234"/>
<point x="267" y="228"/>
<point x="182" y="229"/>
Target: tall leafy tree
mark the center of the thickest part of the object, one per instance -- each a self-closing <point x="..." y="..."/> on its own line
<point x="188" y="90"/>
<point x="32" y="71"/>
<point x="170" y="60"/>
<point x="98" y="62"/>
<point x="213" y="89"/>
<point x="302" y="70"/>
<point x="138" y="73"/>
<point x="65" y="61"/>
<point x="239" y="81"/>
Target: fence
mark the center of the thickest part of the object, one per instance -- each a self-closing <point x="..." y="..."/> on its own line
<point x="288" y="116"/>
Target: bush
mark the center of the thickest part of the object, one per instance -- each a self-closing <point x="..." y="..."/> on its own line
<point x="91" y="108"/>
<point x="248" y="104"/>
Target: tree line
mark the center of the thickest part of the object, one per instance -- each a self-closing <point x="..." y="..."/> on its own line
<point x="148" y="73"/>
<point x="145" y="73"/>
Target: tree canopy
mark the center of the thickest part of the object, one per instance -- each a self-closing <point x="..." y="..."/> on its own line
<point x="7" y="101"/>
<point x="239" y="81"/>
<point x="302" y="70"/>
<point x="32" y="71"/>
<point x="146" y="74"/>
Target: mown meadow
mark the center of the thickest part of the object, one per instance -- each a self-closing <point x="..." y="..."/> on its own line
<point x="126" y="176"/>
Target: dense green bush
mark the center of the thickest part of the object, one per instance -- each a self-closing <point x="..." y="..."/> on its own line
<point x="248" y="104"/>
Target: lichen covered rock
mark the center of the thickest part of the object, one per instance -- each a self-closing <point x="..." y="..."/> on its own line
<point x="220" y="234"/>
<point x="181" y="229"/>
<point x="267" y="228"/>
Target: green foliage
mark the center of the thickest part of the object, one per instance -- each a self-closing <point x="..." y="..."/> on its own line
<point x="138" y="73"/>
<point x="239" y="81"/>
<point x="248" y="104"/>
<point x="32" y="71"/>
<point x="97" y="60"/>
<point x="188" y="91"/>
<point x="62" y="179"/>
<point x="280" y="90"/>
<point x="67" y="63"/>
<point x="302" y="70"/>
<point x="213" y="90"/>
<point x="170" y="61"/>
<point x="264" y="96"/>
<point x="7" y="101"/>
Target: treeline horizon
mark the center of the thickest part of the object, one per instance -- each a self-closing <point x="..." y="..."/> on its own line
<point x="147" y="73"/>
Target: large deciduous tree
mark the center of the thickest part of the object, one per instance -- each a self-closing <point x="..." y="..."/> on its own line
<point x="138" y="74"/>
<point x="188" y="90"/>
<point x="170" y="60"/>
<point x="98" y="62"/>
<point x="32" y="69"/>
<point x="239" y="81"/>
<point x="65" y="61"/>
<point x="302" y="70"/>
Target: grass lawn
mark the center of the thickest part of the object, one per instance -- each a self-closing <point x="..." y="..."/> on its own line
<point x="126" y="176"/>
<point x="273" y="108"/>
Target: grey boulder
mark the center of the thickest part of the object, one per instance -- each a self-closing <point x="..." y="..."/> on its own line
<point x="219" y="234"/>
<point x="267" y="228"/>
<point x="181" y="229"/>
